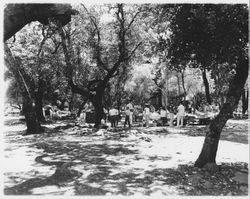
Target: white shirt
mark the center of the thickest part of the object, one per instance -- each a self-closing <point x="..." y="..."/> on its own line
<point x="181" y="110"/>
<point x="116" y="112"/>
<point x="163" y="113"/>
<point x="128" y="112"/>
<point x="146" y="111"/>
<point x="112" y="112"/>
<point x="130" y="106"/>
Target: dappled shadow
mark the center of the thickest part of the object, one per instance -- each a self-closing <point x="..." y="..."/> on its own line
<point x="184" y="180"/>
<point x="84" y="189"/>
<point x="61" y="176"/>
<point x="233" y="133"/>
<point x="116" y="163"/>
<point x="13" y="121"/>
<point x="92" y="154"/>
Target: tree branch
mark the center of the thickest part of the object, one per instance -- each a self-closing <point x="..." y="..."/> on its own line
<point x="82" y="91"/>
<point x="98" y="56"/>
<point x="133" y="19"/>
<point x="133" y="51"/>
<point x="56" y="47"/>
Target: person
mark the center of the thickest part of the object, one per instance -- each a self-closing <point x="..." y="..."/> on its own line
<point x="171" y="115"/>
<point x="127" y="117"/>
<point x="135" y="113"/>
<point x="48" y="112"/>
<point x="105" y="112"/>
<point x="146" y="114"/>
<point x="180" y="115"/>
<point x="131" y="108"/>
<point x="116" y="116"/>
<point x="163" y="115"/>
<point x="82" y="118"/>
<point x="130" y="105"/>
<point x="112" y="116"/>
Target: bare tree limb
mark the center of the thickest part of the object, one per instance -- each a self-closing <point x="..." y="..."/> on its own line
<point x="133" y="19"/>
<point x="56" y="47"/>
<point x="98" y="56"/>
<point x="133" y="51"/>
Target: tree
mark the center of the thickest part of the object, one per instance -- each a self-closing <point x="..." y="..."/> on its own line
<point x="17" y="16"/>
<point x="33" y="125"/>
<point x="109" y="57"/>
<point x="214" y="33"/>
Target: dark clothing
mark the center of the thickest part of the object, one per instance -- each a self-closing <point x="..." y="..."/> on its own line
<point x="164" y="120"/>
<point x="47" y="112"/>
<point x="127" y="121"/>
<point x="113" y="120"/>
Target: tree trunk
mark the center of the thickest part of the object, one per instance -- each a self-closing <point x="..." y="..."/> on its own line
<point x="39" y="107"/>
<point x="159" y="98"/>
<point x="33" y="125"/>
<point x="178" y="83"/>
<point x="245" y="96"/>
<point x="99" y="113"/>
<point x="210" y="146"/>
<point x="183" y="84"/>
<point x="39" y="102"/>
<point x="206" y="84"/>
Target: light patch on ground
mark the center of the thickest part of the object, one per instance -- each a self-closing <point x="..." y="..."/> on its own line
<point x="162" y="151"/>
<point x="53" y="190"/>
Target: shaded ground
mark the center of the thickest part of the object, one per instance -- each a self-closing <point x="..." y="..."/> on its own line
<point x="70" y="160"/>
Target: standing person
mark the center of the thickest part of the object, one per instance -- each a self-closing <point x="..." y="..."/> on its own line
<point x="131" y="108"/>
<point x="105" y="115"/>
<point x="82" y="118"/>
<point x="130" y="105"/>
<point x="163" y="115"/>
<point x="146" y="114"/>
<point x="180" y="115"/>
<point x="112" y="117"/>
<point x="116" y="116"/>
<point x="171" y="115"/>
<point x="48" y="112"/>
<point x="127" y="117"/>
<point x="135" y="113"/>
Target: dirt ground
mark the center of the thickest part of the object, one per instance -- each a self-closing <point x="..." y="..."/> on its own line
<point x="72" y="160"/>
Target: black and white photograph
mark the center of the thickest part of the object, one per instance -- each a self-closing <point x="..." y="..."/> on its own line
<point x="125" y="99"/>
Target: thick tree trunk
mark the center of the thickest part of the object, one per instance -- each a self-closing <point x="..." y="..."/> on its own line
<point x="99" y="113"/>
<point x="16" y="16"/>
<point x="159" y="98"/>
<point x="39" y="107"/>
<point x="245" y="96"/>
<point x="39" y="102"/>
<point x="210" y="146"/>
<point x="206" y="84"/>
<point x="33" y="125"/>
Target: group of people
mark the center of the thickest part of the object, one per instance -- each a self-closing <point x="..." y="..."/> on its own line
<point x="164" y="114"/>
<point x="148" y="113"/>
<point x="114" y="116"/>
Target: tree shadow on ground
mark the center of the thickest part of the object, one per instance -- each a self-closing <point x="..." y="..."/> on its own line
<point x="233" y="133"/>
<point x="61" y="176"/>
<point x="104" y="168"/>
<point x="13" y="121"/>
<point x="184" y="180"/>
<point x="90" y="155"/>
